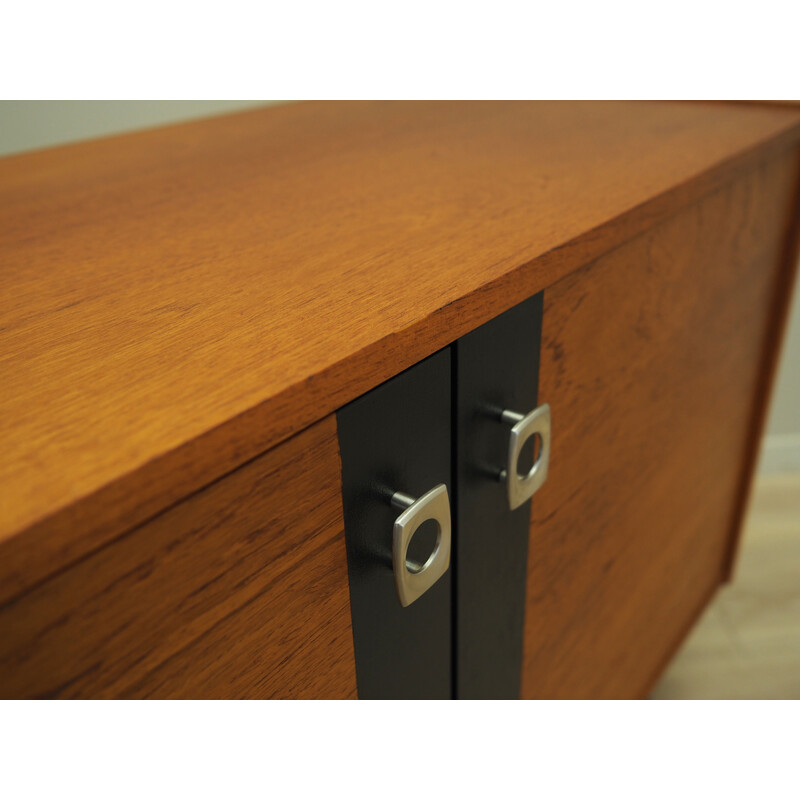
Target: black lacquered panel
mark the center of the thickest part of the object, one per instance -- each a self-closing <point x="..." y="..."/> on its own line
<point x="396" y="438"/>
<point x="496" y="367"/>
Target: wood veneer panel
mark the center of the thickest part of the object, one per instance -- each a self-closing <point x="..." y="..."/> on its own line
<point x="240" y="591"/>
<point x="175" y="302"/>
<point x="779" y="316"/>
<point x="650" y="360"/>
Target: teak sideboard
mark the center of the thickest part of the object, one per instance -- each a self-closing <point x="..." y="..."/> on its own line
<point x="337" y="400"/>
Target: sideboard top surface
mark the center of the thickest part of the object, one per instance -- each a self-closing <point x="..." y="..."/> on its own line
<point x="176" y="301"/>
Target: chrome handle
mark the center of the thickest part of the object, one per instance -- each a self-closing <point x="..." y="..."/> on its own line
<point x="411" y="579"/>
<point x="522" y="487"/>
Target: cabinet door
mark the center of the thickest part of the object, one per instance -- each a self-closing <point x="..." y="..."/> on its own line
<point x="397" y="439"/>
<point x="240" y="591"/>
<point x="497" y="369"/>
<point x="655" y="360"/>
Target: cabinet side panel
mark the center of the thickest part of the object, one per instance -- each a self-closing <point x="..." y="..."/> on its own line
<point x="239" y="591"/>
<point x="650" y="361"/>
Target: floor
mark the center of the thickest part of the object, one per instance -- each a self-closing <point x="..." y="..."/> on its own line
<point x="747" y="643"/>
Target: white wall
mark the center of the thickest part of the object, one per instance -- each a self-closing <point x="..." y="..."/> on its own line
<point x="32" y="124"/>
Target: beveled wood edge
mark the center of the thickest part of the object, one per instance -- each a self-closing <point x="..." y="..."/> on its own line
<point x="38" y="551"/>
<point x="774" y="343"/>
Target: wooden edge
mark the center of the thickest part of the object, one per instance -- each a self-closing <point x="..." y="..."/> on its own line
<point x="773" y="347"/>
<point x="33" y="554"/>
<point x="791" y="104"/>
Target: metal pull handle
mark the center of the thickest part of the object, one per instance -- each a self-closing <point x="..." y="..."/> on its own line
<point x="411" y="579"/>
<point x="522" y="487"/>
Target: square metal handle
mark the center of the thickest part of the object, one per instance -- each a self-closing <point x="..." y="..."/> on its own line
<point x="411" y="579"/>
<point x="522" y="487"/>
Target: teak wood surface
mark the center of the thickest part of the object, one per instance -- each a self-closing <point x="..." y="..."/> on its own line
<point x="652" y="362"/>
<point x="240" y="591"/>
<point x="175" y="302"/>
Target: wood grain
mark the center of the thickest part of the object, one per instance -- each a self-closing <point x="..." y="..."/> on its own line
<point x="240" y="591"/>
<point x="649" y="361"/>
<point x="175" y="302"/>
<point x="783" y="292"/>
